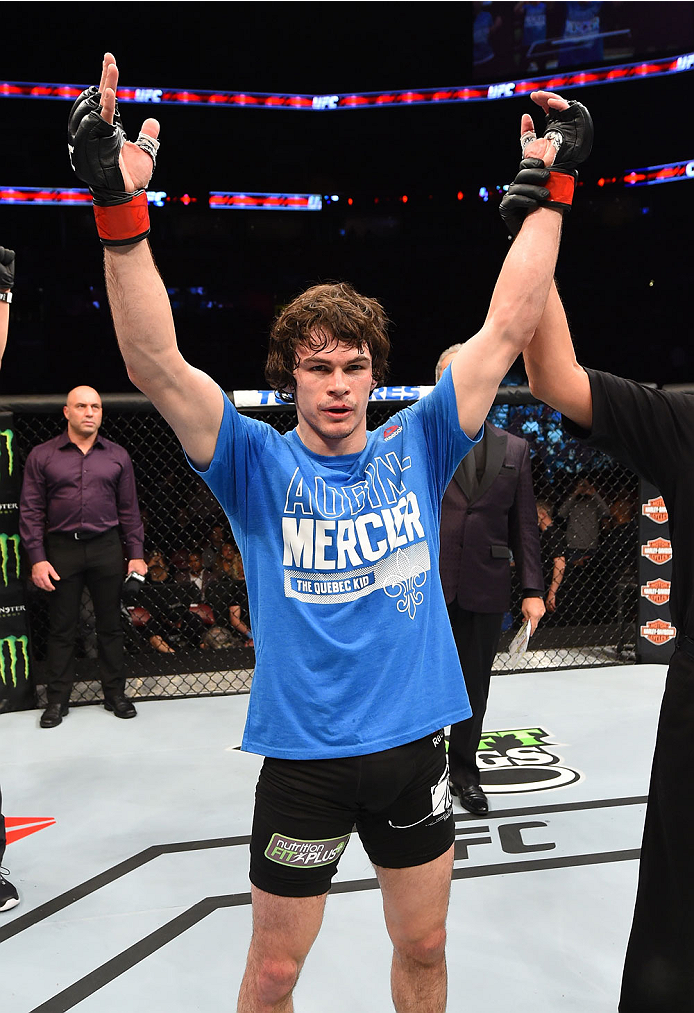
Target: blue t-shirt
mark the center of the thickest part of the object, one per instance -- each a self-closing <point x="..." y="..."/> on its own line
<point x="354" y="650"/>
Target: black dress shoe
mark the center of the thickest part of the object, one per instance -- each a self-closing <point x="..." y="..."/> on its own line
<point x="121" y="706"/>
<point x="53" y="715"/>
<point x="471" y="798"/>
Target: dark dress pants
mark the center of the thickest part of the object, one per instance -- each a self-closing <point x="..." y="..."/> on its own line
<point x="659" y="966"/>
<point x="476" y="636"/>
<point x="98" y="563"/>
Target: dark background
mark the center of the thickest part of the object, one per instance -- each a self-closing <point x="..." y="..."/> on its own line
<point x="625" y="265"/>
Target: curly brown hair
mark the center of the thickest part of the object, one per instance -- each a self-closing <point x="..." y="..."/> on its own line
<point x="319" y="317"/>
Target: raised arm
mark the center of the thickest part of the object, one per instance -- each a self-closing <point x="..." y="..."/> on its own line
<point x="521" y="292"/>
<point x="117" y="172"/>
<point x="554" y="375"/>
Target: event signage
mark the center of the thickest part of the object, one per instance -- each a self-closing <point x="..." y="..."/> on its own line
<point x="656" y="636"/>
<point x="15" y="687"/>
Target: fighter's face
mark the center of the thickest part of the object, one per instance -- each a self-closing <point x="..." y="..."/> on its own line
<point x="333" y="386"/>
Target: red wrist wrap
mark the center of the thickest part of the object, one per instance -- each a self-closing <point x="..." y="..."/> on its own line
<point x="120" y="224"/>
<point x="561" y="186"/>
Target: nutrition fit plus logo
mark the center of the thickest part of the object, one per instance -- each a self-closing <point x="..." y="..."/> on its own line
<point x="519" y="760"/>
<point x="14" y="660"/>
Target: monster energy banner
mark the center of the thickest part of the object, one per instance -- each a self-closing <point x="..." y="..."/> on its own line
<point x="655" y="637"/>
<point x="15" y="688"/>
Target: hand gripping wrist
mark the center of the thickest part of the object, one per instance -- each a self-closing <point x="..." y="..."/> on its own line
<point x="536" y="186"/>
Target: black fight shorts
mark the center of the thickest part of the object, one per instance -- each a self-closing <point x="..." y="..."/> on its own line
<point x="305" y="811"/>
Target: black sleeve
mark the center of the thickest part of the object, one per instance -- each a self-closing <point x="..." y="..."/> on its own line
<point x="643" y="428"/>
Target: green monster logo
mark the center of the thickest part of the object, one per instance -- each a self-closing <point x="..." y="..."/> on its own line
<point x="15" y="646"/>
<point x="8" y="436"/>
<point x="5" y="554"/>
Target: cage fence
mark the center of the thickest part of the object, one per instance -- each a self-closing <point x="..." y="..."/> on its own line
<point x="186" y="632"/>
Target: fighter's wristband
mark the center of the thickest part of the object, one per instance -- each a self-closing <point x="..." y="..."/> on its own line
<point x="123" y="223"/>
<point x="5" y="297"/>
<point x="561" y="186"/>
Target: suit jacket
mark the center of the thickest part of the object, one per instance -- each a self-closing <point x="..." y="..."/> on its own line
<point x="482" y="524"/>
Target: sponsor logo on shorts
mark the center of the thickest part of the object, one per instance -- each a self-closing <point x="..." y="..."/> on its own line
<point x="289" y="851"/>
<point x="656" y="591"/>
<point x="441" y="807"/>
<point x="519" y="760"/>
<point x="658" y="550"/>
<point x="658" y="632"/>
<point x="656" y="510"/>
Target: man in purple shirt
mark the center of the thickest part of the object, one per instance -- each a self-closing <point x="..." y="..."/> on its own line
<point x="78" y="500"/>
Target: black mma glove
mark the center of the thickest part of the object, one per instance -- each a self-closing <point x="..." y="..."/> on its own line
<point x="571" y="132"/>
<point x="527" y="193"/>
<point x="6" y="268"/>
<point x="122" y="217"/>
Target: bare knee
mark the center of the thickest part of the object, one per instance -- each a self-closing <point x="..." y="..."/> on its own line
<point x="274" y="978"/>
<point x="425" y="950"/>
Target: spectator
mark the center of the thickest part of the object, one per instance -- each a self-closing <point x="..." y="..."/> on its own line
<point x="171" y="622"/>
<point x="78" y="499"/>
<point x="196" y="577"/>
<point x="228" y="595"/>
<point x="552" y="551"/>
<point x="211" y="550"/>
<point x="584" y="510"/>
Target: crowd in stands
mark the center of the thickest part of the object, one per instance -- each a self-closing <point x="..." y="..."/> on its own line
<point x="193" y="597"/>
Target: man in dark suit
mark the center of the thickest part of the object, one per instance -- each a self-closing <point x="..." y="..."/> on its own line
<point x="488" y="513"/>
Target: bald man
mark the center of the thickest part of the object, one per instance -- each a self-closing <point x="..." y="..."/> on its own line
<point x="78" y="518"/>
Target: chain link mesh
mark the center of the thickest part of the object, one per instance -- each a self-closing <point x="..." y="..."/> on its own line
<point x="190" y="643"/>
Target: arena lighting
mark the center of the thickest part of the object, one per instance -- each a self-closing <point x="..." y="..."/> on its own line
<point x="76" y="197"/>
<point x="361" y="100"/>
<point x="73" y="197"/>
<point x="221" y="200"/>
<point x="671" y="172"/>
<point x="43" y="195"/>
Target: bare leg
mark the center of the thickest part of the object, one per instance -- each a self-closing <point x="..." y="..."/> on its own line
<point x="415" y="904"/>
<point x="284" y="929"/>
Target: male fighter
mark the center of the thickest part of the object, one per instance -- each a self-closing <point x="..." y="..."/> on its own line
<point x="356" y="668"/>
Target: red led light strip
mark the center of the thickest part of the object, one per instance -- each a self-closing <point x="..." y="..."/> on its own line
<point x="266" y="201"/>
<point x="360" y="100"/>
<point x="44" y="195"/>
<point x="669" y="173"/>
